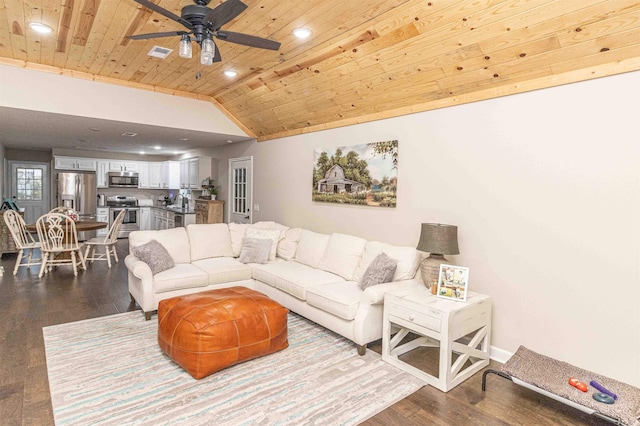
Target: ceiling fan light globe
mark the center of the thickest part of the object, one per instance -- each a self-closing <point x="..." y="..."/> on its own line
<point x="207" y="52"/>
<point x="185" y="50"/>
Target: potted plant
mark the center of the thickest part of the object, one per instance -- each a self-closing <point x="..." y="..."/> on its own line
<point x="209" y="189"/>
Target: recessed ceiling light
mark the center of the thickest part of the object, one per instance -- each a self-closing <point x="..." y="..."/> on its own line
<point x="302" y="32"/>
<point x="129" y="134"/>
<point x="230" y="73"/>
<point x="40" y="28"/>
<point x="229" y="141"/>
<point x="157" y="147"/>
<point x="184" y="139"/>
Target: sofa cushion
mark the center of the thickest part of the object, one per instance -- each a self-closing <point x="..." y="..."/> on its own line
<point x="223" y="269"/>
<point x="175" y="240"/>
<point x="288" y="245"/>
<point x="265" y="234"/>
<point x="408" y="259"/>
<point x="236" y="231"/>
<point x="311" y="247"/>
<point x="342" y="255"/>
<point x="340" y="299"/>
<point x="293" y="277"/>
<point x="155" y="255"/>
<point x="183" y="275"/>
<point x="255" y="250"/>
<point x="209" y="240"/>
<point x="380" y="271"/>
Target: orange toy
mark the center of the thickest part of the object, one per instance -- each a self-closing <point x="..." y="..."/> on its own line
<point x="578" y="384"/>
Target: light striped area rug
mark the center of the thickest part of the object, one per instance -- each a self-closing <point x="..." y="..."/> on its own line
<point x="110" y="371"/>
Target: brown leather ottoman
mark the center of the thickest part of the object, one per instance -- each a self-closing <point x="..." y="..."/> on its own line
<point x="206" y="332"/>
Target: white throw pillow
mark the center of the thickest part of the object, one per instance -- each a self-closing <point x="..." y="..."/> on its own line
<point x="287" y="246"/>
<point x="408" y="259"/>
<point x="265" y="234"/>
<point x="209" y="240"/>
<point x="342" y="255"/>
<point x="311" y="247"/>
<point x="237" y="230"/>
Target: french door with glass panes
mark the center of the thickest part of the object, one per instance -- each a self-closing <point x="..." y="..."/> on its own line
<point x="29" y="188"/>
<point x="240" y="189"/>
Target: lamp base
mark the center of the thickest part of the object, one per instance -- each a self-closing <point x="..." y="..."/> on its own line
<point x="430" y="268"/>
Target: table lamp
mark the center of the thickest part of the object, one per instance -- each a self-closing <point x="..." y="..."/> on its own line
<point x="437" y="239"/>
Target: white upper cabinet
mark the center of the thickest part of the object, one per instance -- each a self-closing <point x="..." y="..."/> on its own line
<point x="193" y="171"/>
<point x="155" y="175"/>
<point x="143" y="174"/>
<point x="170" y="175"/>
<point x="101" y="173"/>
<point x="75" y="163"/>
<point x="123" y="166"/>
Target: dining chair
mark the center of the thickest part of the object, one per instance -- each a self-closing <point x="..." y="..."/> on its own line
<point x="108" y="242"/>
<point x="22" y="238"/>
<point x="59" y="242"/>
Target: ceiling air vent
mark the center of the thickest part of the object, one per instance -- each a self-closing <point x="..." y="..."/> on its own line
<point x="159" y="52"/>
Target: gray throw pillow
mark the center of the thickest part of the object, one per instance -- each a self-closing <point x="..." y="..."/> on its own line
<point x="380" y="271"/>
<point x="155" y="255"/>
<point x="255" y="250"/>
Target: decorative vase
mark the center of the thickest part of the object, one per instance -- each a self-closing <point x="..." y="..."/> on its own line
<point x="430" y="268"/>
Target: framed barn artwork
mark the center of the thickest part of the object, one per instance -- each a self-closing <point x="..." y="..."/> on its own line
<point x="365" y="174"/>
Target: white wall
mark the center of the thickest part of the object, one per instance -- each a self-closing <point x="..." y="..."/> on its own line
<point x="24" y="88"/>
<point x="544" y="188"/>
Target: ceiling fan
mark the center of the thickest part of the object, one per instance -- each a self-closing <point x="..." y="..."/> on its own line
<point x="204" y="23"/>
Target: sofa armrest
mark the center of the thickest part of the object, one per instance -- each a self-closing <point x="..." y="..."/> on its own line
<point x="138" y="268"/>
<point x="374" y="295"/>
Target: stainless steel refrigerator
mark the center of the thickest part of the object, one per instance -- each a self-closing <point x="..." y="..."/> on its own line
<point x="79" y="192"/>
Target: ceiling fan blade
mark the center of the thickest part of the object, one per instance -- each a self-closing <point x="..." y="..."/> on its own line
<point x="247" y="40"/>
<point x="165" y="12"/>
<point x="156" y="35"/>
<point x="223" y="13"/>
<point x="216" y="56"/>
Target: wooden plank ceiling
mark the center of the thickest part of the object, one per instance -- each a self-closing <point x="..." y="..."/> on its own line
<point x="365" y="60"/>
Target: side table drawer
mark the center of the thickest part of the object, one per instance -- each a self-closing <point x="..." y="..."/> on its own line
<point x="431" y="320"/>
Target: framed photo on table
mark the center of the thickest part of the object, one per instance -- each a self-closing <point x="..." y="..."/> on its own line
<point x="453" y="282"/>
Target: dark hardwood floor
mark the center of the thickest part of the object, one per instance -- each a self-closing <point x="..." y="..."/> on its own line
<point x="27" y="304"/>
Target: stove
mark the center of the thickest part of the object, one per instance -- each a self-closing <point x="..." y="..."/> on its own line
<point x="116" y="204"/>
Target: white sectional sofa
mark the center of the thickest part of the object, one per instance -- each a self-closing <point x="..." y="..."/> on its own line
<point x="315" y="275"/>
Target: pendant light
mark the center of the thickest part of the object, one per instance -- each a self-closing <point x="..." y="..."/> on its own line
<point x="207" y="52"/>
<point x="185" y="50"/>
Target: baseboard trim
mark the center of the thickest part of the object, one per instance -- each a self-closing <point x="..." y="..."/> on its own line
<point x="499" y="355"/>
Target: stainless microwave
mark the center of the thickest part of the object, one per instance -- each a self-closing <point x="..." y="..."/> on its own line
<point x="123" y="180"/>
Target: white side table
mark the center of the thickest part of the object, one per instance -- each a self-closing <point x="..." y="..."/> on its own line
<point x="462" y="328"/>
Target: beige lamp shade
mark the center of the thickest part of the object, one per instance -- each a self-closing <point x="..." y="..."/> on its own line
<point x="437" y="239"/>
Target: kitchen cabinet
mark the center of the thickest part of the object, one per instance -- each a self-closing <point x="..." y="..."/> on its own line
<point x="101" y="173"/>
<point x="102" y="215"/>
<point x="123" y="166"/>
<point x="163" y="219"/>
<point x="170" y="175"/>
<point x="75" y="163"/>
<point x="155" y="175"/>
<point x="193" y="171"/>
<point x="143" y="174"/>
<point x="209" y="211"/>
<point x="145" y="218"/>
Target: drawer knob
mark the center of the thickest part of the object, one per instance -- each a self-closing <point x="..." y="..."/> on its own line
<point x="411" y="317"/>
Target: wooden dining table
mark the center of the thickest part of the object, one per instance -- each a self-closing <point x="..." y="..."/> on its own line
<point x="81" y="225"/>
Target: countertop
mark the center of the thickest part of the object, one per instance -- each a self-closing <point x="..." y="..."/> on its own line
<point x="176" y="209"/>
<point x="173" y="209"/>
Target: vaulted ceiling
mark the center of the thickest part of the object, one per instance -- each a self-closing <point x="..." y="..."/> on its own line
<point x="365" y="60"/>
